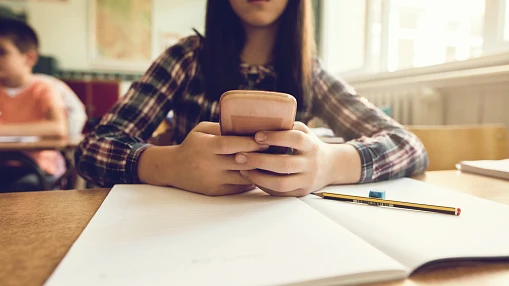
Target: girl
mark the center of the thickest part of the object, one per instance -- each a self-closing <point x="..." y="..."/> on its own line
<point x="248" y="44"/>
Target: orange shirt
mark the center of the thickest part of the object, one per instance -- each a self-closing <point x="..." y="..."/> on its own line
<point x="31" y="104"/>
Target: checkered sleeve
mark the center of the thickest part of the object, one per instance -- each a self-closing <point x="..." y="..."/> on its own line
<point x="109" y="154"/>
<point x="387" y="150"/>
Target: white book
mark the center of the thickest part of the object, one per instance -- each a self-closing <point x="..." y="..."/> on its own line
<point x="16" y="139"/>
<point x="492" y="168"/>
<point x="147" y="235"/>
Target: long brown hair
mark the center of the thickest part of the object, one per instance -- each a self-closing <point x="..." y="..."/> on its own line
<point x="293" y="50"/>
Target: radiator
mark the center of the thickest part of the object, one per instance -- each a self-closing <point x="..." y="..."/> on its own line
<point x="420" y="106"/>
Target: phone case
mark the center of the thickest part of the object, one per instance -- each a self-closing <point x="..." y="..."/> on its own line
<point x="244" y="112"/>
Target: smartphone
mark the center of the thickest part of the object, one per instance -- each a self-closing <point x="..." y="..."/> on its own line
<point x="245" y="112"/>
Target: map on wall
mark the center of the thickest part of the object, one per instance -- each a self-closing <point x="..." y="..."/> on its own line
<point x="121" y="32"/>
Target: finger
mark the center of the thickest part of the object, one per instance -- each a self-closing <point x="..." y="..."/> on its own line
<point x="295" y="139"/>
<point x="208" y="128"/>
<point x="275" y="182"/>
<point x="228" y="163"/>
<point x="297" y="125"/>
<point x="235" y="144"/>
<point x="283" y="164"/>
<point x="234" y="178"/>
<point x="232" y="189"/>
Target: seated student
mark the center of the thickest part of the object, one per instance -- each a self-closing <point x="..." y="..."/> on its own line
<point x="75" y="109"/>
<point x="28" y="105"/>
<point x="263" y="45"/>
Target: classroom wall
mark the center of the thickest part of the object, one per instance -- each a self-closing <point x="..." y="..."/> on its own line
<point x="63" y="26"/>
<point x="62" y="30"/>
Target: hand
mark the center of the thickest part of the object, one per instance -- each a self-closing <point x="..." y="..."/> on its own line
<point x="205" y="162"/>
<point x="307" y="170"/>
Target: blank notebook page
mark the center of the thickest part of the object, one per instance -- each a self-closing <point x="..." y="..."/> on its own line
<point x="415" y="237"/>
<point x="146" y="235"/>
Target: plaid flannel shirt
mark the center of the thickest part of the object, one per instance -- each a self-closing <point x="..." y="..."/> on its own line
<point x="109" y="155"/>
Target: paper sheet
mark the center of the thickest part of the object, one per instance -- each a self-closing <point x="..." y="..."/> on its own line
<point x="414" y="237"/>
<point x="497" y="165"/>
<point x="146" y="235"/>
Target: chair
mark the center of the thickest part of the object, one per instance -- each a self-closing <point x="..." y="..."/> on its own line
<point x="28" y="162"/>
<point x="62" y="182"/>
<point x="447" y="145"/>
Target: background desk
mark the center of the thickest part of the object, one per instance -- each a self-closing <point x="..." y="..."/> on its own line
<point x="37" y="229"/>
<point x="61" y="144"/>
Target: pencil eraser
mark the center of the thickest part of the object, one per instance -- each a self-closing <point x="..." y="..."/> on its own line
<point x="377" y="194"/>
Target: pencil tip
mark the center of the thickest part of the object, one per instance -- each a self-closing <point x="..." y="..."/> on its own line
<point x="318" y="194"/>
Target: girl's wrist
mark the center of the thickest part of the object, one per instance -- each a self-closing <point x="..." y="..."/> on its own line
<point x="156" y="165"/>
<point x="346" y="164"/>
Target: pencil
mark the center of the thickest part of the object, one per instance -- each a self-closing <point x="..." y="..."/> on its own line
<point x="390" y="203"/>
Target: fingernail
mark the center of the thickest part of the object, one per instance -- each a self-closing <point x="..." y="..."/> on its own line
<point x="260" y="136"/>
<point x="244" y="174"/>
<point x="264" y="146"/>
<point x="240" y="158"/>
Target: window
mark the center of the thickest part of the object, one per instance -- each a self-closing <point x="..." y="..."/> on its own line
<point x="404" y="34"/>
<point x="423" y="32"/>
<point x="506" y="20"/>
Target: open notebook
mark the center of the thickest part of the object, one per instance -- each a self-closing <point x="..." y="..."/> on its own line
<point x="492" y="168"/>
<point x="146" y="235"/>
